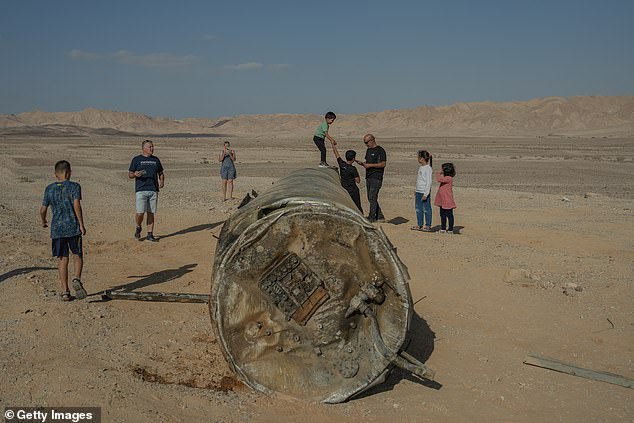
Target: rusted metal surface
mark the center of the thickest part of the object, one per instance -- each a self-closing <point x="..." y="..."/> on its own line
<point x="309" y="299"/>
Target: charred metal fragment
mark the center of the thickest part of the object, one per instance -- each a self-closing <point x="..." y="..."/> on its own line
<point x="303" y="289"/>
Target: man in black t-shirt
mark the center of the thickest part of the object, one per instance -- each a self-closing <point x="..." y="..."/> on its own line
<point x="349" y="175"/>
<point x="147" y="172"/>
<point x="375" y="161"/>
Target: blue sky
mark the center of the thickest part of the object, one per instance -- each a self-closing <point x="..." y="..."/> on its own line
<point x="211" y="59"/>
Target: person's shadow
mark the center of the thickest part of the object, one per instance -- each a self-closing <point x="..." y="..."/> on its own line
<point x="196" y="228"/>
<point x="155" y="278"/>
<point x="23" y="271"/>
<point x="456" y="229"/>
<point x="421" y="346"/>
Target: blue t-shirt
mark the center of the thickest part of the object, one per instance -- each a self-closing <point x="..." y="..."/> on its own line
<point x="60" y="196"/>
<point x="152" y="167"/>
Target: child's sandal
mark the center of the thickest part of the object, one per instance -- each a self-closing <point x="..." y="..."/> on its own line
<point x="64" y="296"/>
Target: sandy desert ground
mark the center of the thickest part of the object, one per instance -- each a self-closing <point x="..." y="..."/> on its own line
<point x="534" y="214"/>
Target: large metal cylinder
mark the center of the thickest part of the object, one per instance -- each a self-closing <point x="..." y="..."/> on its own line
<point x="309" y="299"/>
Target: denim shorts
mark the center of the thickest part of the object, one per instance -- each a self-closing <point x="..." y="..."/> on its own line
<point x="146" y="201"/>
<point x="60" y="246"/>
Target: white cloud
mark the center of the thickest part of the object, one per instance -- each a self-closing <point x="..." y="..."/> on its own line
<point x="153" y="60"/>
<point x="167" y="60"/>
<point x="278" y="66"/>
<point x="83" y="55"/>
<point x="245" y="66"/>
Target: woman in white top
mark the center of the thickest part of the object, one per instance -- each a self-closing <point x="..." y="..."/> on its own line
<point x="422" y="196"/>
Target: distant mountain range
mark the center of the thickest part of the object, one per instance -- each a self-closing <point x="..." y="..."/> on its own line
<point x="551" y="116"/>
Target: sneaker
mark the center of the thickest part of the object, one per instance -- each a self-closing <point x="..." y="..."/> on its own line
<point x="443" y="231"/>
<point x="450" y="232"/>
<point x="324" y="164"/>
<point x="80" y="292"/>
<point x="150" y="237"/>
<point x="137" y="232"/>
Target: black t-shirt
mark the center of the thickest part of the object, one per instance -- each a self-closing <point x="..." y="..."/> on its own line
<point x="375" y="155"/>
<point x="348" y="173"/>
<point x="152" y="167"/>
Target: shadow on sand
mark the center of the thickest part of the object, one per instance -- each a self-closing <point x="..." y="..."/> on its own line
<point x="155" y="278"/>
<point x="23" y="271"/>
<point x="420" y="347"/>
<point x="456" y="229"/>
<point x="196" y="228"/>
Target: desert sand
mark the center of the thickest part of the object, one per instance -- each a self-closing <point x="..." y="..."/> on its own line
<point x="533" y="214"/>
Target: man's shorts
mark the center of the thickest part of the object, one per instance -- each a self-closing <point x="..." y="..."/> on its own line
<point x="62" y="245"/>
<point x="146" y="201"/>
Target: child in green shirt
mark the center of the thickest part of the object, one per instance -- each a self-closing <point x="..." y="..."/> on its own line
<point x="321" y="133"/>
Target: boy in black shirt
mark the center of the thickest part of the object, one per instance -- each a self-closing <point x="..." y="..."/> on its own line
<point x="349" y="175"/>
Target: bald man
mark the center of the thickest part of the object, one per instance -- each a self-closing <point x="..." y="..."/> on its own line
<point x="375" y="160"/>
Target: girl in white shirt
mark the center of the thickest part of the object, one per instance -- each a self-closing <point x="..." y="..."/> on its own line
<point x="422" y="196"/>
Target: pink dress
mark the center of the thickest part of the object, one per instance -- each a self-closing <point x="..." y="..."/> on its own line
<point x="444" y="196"/>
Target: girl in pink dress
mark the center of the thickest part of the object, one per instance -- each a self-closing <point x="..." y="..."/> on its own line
<point x="444" y="197"/>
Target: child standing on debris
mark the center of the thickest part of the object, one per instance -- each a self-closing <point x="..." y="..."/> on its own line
<point x="321" y="133"/>
<point x="444" y="197"/>
<point x="67" y="227"/>
<point x="349" y="174"/>
<point x="422" y="195"/>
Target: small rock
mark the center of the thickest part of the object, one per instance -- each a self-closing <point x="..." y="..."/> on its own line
<point x="513" y="276"/>
<point x="591" y="195"/>
<point x="570" y="292"/>
<point x="565" y="199"/>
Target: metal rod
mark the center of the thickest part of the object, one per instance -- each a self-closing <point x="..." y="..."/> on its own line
<point x="170" y="297"/>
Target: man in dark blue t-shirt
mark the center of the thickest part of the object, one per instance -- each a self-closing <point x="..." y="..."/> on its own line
<point x="375" y="161"/>
<point x="147" y="172"/>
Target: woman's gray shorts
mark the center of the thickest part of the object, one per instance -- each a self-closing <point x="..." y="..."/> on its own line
<point x="227" y="171"/>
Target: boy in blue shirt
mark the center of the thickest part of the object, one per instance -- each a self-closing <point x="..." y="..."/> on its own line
<point x="322" y="132"/>
<point x="67" y="227"/>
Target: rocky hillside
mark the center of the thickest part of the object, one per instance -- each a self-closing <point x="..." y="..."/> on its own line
<point x="578" y="116"/>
